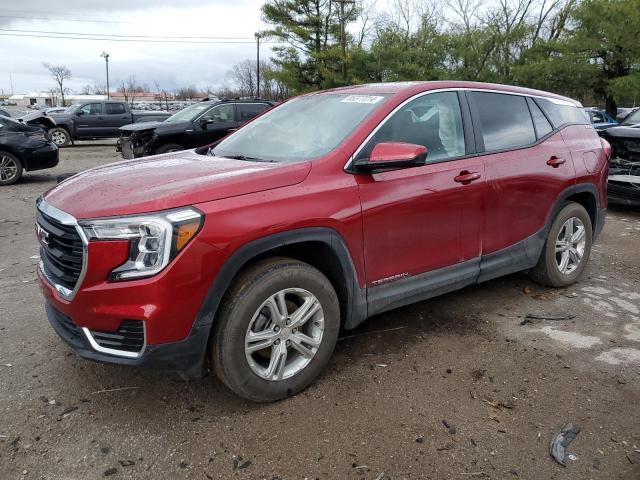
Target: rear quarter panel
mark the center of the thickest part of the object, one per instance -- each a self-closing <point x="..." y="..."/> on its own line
<point x="588" y="156"/>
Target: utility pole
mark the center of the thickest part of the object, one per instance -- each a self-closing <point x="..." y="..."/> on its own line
<point x="258" y="35"/>
<point x="11" y="80"/>
<point x="343" y="36"/>
<point x="105" y="55"/>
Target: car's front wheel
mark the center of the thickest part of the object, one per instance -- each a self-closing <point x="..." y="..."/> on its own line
<point x="277" y="330"/>
<point x="567" y="248"/>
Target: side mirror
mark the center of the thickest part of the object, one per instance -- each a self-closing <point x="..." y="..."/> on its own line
<point x="206" y="121"/>
<point x="79" y="113"/>
<point x="393" y="156"/>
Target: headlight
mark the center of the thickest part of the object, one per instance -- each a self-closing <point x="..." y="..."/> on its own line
<point x="155" y="239"/>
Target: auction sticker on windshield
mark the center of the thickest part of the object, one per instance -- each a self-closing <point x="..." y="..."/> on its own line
<point x="362" y="99"/>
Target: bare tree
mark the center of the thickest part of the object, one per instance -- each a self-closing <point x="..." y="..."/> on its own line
<point x="59" y="73"/>
<point x="86" y="90"/>
<point x="162" y="95"/>
<point x="53" y="92"/>
<point x="243" y="76"/>
<point x="186" y="93"/>
<point x="129" y="88"/>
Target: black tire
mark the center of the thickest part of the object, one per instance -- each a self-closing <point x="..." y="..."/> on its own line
<point x="547" y="272"/>
<point x="10" y="168"/>
<point x="60" y="136"/>
<point x="253" y="287"/>
<point x="169" y="147"/>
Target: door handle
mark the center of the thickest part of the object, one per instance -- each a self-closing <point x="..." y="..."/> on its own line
<point x="555" y="162"/>
<point x="466" y="177"/>
<point x="232" y="129"/>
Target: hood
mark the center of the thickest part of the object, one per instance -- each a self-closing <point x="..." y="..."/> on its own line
<point x="167" y="181"/>
<point x="140" y="126"/>
<point x="622" y="132"/>
<point x="37" y="119"/>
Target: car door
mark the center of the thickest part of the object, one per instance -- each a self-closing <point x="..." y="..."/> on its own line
<point x="89" y="120"/>
<point x="526" y="167"/>
<point x="215" y="123"/>
<point x="426" y="218"/>
<point x="115" y="116"/>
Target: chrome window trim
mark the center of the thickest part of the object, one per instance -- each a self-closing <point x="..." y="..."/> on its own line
<point x="65" y="219"/>
<point x="113" y="351"/>
<point x="352" y="158"/>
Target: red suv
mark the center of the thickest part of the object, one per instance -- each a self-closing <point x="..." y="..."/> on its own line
<point x="251" y="254"/>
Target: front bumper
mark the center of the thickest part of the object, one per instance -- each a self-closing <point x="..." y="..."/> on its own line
<point x="186" y="356"/>
<point x="163" y="307"/>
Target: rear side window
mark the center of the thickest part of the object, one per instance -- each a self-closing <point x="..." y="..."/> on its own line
<point x="246" y="111"/>
<point x="561" y="114"/>
<point x="543" y="127"/>
<point x="114" y="109"/>
<point x="504" y="119"/>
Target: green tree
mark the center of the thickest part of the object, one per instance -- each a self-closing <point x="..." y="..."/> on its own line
<point x="312" y="32"/>
<point x="607" y="34"/>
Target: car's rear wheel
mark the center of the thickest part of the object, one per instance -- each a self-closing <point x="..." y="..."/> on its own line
<point x="169" y="147"/>
<point x="10" y="168"/>
<point x="277" y="330"/>
<point x="567" y="248"/>
<point x="60" y="137"/>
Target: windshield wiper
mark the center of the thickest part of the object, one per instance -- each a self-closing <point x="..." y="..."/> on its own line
<point x="248" y="159"/>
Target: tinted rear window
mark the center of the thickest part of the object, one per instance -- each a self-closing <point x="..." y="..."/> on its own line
<point x="115" y="108"/>
<point x="246" y="111"/>
<point x="563" y="114"/>
<point x="504" y="119"/>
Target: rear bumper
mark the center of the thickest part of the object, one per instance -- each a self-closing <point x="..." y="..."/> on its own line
<point x="187" y="356"/>
<point x="41" y="158"/>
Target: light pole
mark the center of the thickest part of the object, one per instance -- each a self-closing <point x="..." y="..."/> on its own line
<point x="105" y="55"/>
<point x="258" y="64"/>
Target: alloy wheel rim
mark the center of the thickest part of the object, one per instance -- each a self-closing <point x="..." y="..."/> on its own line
<point x="58" y="138"/>
<point x="8" y="168"/>
<point x="570" y="245"/>
<point x="284" y="334"/>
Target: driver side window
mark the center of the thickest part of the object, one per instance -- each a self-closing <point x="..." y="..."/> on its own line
<point x="92" y="109"/>
<point x="433" y="120"/>
<point x="220" y="114"/>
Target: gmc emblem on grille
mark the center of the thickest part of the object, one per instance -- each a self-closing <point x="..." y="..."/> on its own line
<point x="43" y="235"/>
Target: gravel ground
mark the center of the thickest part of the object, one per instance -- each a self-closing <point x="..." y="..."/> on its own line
<point x="380" y="409"/>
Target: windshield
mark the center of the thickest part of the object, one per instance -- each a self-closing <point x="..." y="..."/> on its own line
<point x="189" y="113"/>
<point x="301" y="129"/>
<point x="633" y="118"/>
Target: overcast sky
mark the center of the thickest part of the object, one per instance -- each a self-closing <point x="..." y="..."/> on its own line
<point x="172" y="65"/>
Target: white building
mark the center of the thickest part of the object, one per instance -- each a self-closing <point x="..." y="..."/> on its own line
<point x="45" y="99"/>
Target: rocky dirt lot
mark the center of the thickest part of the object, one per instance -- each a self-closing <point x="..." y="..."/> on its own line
<point x="451" y="388"/>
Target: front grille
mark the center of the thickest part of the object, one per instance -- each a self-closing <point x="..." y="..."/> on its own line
<point x="61" y="251"/>
<point x="129" y="337"/>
